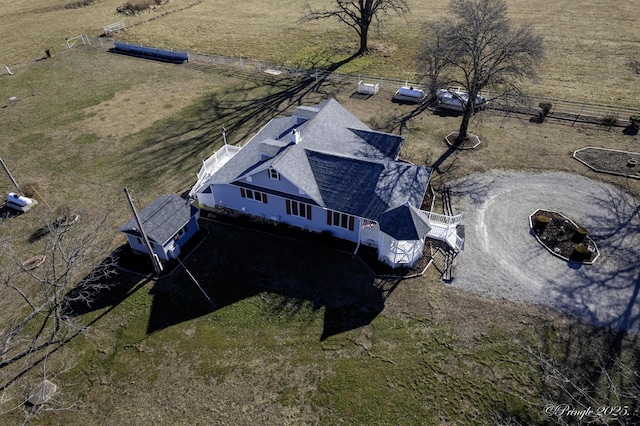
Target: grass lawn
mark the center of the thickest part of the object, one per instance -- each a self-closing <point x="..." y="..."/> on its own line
<point x="290" y="339"/>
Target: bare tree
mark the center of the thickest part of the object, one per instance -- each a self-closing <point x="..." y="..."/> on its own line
<point x="359" y="15"/>
<point x="600" y="388"/>
<point x="37" y="292"/>
<point x="478" y="50"/>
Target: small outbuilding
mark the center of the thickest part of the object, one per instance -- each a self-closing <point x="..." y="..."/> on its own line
<point x="409" y="95"/>
<point x="169" y="223"/>
<point x="19" y="202"/>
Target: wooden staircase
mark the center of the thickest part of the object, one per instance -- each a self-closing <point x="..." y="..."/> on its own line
<point x="444" y="257"/>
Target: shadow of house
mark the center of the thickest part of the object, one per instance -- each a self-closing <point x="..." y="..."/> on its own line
<point x="239" y="263"/>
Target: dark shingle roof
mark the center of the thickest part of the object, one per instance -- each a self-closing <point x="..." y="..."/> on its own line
<point x="162" y="218"/>
<point x="366" y="188"/>
<point x="404" y="223"/>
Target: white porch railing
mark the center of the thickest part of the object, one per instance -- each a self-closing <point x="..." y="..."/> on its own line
<point x="444" y="228"/>
<point x="212" y="164"/>
<point x="443" y="219"/>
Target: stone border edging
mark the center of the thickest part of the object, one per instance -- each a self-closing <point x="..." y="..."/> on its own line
<point x="471" y="136"/>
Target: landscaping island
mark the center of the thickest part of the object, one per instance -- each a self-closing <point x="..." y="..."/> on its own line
<point x="563" y="237"/>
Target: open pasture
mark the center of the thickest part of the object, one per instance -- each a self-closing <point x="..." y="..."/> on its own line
<point x="588" y="45"/>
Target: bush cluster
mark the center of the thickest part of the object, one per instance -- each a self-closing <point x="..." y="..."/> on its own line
<point x="580" y="253"/>
<point x="579" y="235"/>
<point x="545" y="107"/>
<point x="541" y="222"/>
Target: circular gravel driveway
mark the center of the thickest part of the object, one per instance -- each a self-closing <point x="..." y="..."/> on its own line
<point x="501" y="258"/>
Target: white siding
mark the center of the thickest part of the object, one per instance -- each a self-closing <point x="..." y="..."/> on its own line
<point x="229" y="196"/>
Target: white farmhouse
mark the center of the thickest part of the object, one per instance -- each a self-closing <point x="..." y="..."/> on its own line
<point x="322" y="169"/>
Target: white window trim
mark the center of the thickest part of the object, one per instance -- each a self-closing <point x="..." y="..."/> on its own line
<point x="273" y="174"/>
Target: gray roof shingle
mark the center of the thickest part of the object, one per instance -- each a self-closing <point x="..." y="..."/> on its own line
<point x="404" y="223"/>
<point x="162" y="218"/>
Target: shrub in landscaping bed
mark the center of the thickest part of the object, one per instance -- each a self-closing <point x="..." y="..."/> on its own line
<point x="540" y="223"/>
<point x="579" y="235"/>
<point x="580" y="253"/>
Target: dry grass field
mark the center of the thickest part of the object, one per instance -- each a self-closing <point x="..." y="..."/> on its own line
<point x="588" y="44"/>
<point x="278" y="348"/>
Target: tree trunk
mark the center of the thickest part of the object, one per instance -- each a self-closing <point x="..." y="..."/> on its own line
<point x="364" y="38"/>
<point x="464" y="125"/>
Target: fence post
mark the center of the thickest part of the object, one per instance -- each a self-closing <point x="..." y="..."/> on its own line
<point x="579" y="114"/>
<point x="241" y="64"/>
<point x="614" y="120"/>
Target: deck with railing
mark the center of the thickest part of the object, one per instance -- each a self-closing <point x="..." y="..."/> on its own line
<point x="212" y="164"/>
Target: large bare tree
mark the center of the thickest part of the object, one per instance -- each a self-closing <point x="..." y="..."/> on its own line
<point x="479" y="50"/>
<point x="360" y="15"/>
<point x="37" y="292"/>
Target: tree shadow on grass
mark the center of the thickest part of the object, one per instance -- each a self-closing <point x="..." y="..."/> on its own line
<point x="248" y="102"/>
<point x="583" y="366"/>
<point x="397" y="123"/>
<point x="237" y="263"/>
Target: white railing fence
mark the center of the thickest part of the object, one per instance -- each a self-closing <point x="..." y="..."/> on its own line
<point x="210" y="163"/>
<point x="443" y="219"/>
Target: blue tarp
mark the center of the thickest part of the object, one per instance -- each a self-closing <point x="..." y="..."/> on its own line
<point x="151" y="52"/>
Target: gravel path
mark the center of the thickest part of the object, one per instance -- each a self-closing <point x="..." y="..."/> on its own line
<point x="501" y="259"/>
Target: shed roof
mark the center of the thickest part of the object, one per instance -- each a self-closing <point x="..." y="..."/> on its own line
<point x="162" y="218"/>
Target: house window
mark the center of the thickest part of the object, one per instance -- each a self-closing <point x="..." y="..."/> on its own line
<point x="273" y="174"/>
<point x="181" y="233"/>
<point x="341" y="220"/>
<point x="253" y="195"/>
<point x="296" y="208"/>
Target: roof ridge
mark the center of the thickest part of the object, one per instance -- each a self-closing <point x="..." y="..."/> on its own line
<point x="383" y="162"/>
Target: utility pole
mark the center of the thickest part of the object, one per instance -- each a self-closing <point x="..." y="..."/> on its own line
<point x="154" y="257"/>
<point x="6" y="169"/>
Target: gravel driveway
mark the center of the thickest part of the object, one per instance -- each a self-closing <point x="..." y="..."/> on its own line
<point x="501" y="259"/>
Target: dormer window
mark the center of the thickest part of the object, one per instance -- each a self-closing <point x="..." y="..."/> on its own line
<point x="273" y="174"/>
